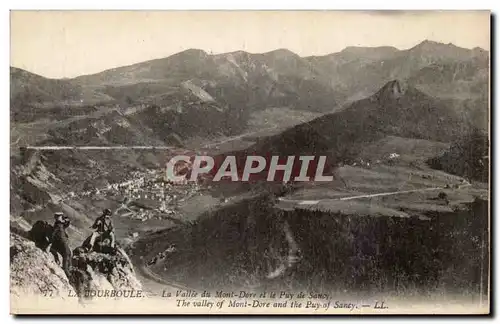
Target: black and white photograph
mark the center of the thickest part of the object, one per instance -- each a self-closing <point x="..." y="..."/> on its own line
<point x="250" y="162"/>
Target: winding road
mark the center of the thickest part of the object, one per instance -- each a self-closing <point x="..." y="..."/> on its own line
<point x="391" y="193"/>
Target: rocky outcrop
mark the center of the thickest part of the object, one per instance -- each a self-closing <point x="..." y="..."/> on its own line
<point x="392" y="90"/>
<point x="99" y="271"/>
<point x="35" y="273"/>
<point x="32" y="182"/>
<point x="34" y="191"/>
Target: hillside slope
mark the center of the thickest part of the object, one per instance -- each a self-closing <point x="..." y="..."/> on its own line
<point x="395" y="110"/>
<point x="468" y="157"/>
<point x="31" y="90"/>
<point x="321" y="251"/>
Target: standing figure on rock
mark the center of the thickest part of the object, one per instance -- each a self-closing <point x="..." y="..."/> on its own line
<point x="103" y="227"/>
<point x="60" y="241"/>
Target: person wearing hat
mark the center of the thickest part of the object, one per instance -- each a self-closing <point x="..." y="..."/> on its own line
<point x="59" y="217"/>
<point x="60" y="240"/>
<point x="103" y="226"/>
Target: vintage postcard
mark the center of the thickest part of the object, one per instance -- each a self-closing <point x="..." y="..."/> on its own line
<point x="250" y="162"/>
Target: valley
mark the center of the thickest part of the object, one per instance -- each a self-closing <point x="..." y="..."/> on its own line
<point x="407" y="211"/>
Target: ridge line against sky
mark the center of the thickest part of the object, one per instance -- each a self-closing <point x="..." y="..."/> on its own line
<point x="209" y="53"/>
<point x="67" y="44"/>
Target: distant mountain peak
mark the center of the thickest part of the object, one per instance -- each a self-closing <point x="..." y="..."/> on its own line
<point x="392" y="90"/>
<point x="357" y="49"/>
<point x="428" y="42"/>
<point x="281" y="52"/>
<point x="15" y="71"/>
<point x="236" y="53"/>
<point x="429" y="45"/>
<point x="194" y="52"/>
<point x="363" y="52"/>
<point x="479" y="50"/>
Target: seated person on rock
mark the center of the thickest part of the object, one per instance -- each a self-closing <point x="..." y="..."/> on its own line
<point x="103" y="227"/>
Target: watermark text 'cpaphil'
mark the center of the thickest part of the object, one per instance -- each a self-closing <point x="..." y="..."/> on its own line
<point x="184" y="168"/>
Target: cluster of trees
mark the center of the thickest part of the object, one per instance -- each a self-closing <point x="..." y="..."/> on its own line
<point x="240" y="243"/>
<point x="467" y="157"/>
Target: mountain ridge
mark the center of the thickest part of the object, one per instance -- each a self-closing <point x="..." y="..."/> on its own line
<point x="232" y="86"/>
<point x="347" y="48"/>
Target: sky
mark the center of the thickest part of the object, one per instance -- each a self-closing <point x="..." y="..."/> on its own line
<point x="59" y="44"/>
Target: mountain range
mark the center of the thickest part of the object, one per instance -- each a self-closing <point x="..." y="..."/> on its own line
<point x="193" y="93"/>
<point x="276" y="77"/>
